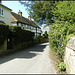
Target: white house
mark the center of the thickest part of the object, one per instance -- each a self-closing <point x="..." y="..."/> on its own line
<point x="25" y="23"/>
<point x="5" y="14"/>
<point x="45" y="29"/>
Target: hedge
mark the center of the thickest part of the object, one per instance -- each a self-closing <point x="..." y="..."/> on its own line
<point x="4" y="32"/>
<point x="59" y="34"/>
<point x="21" y="35"/>
<point x="17" y="34"/>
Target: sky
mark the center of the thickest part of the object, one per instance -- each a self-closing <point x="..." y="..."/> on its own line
<point x="16" y="6"/>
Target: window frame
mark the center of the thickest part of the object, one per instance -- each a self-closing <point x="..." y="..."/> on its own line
<point x="1" y="13"/>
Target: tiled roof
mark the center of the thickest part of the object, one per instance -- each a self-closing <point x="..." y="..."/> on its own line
<point x="19" y="18"/>
<point x="23" y="20"/>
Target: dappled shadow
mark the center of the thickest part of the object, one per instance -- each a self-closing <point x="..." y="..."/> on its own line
<point x="26" y="53"/>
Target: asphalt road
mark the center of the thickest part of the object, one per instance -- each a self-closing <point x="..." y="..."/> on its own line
<point x="34" y="60"/>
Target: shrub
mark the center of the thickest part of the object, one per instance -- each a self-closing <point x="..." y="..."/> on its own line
<point x="58" y="36"/>
<point x="45" y="34"/>
<point x="62" y="67"/>
<point x="41" y="37"/>
<point x="4" y="32"/>
<point x="35" y="38"/>
<point x="17" y="34"/>
<point x="21" y="35"/>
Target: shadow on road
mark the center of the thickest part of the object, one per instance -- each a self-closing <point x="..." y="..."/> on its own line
<point x="27" y="53"/>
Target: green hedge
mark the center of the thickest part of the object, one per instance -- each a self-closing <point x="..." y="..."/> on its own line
<point x="4" y="32"/>
<point x="21" y="35"/>
<point x="17" y="34"/>
<point x="40" y="39"/>
<point x="59" y="34"/>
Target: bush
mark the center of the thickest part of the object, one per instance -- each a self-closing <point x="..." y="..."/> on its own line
<point x="45" y="34"/>
<point x="58" y="36"/>
<point x="15" y="34"/>
<point x="21" y="35"/>
<point x="41" y="37"/>
<point x="35" y="38"/>
<point x="62" y="67"/>
<point x="4" y="32"/>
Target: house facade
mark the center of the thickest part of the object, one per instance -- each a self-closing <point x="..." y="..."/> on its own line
<point x="25" y="23"/>
<point x="5" y="14"/>
<point x="45" y="29"/>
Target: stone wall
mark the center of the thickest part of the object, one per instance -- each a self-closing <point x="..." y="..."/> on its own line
<point x="69" y="58"/>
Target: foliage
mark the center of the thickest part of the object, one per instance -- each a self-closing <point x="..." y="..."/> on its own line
<point x="65" y="11"/>
<point x="21" y="35"/>
<point x="45" y="34"/>
<point x="41" y="37"/>
<point x="44" y="26"/>
<point x="18" y="37"/>
<point x="61" y="17"/>
<point x="35" y="38"/>
<point x="22" y="45"/>
<point x="18" y="34"/>
<point x="4" y="32"/>
<point x="62" y="66"/>
<point x="63" y="27"/>
<point x="58" y="36"/>
<point x="40" y="11"/>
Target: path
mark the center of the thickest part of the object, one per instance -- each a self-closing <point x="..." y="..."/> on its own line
<point x="33" y="60"/>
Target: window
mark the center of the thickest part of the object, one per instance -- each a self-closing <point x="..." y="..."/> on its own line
<point x="21" y="25"/>
<point x="26" y="25"/>
<point x="1" y="12"/>
<point x="31" y="27"/>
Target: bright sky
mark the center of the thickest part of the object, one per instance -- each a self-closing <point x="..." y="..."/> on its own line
<point x="16" y="6"/>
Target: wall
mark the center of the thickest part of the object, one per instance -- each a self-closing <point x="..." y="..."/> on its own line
<point x="6" y="15"/>
<point x="69" y="57"/>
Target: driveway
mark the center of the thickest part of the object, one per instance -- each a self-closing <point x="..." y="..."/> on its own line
<point x="34" y="60"/>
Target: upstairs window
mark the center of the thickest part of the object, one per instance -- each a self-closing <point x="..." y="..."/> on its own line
<point x="26" y="26"/>
<point x="1" y="12"/>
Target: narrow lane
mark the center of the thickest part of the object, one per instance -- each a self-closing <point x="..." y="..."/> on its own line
<point x="34" y="60"/>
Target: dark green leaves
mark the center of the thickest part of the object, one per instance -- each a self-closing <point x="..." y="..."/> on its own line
<point x="41" y="11"/>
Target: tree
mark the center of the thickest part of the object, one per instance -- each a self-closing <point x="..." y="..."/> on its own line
<point x="45" y="34"/>
<point x="65" y="11"/>
<point x="63" y="28"/>
<point x="44" y="26"/>
<point x="40" y="11"/>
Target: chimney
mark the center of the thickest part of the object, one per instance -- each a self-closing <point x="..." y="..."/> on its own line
<point x="20" y="13"/>
<point x="29" y="17"/>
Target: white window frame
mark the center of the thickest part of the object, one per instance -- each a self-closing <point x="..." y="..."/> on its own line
<point x="1" y="14"/>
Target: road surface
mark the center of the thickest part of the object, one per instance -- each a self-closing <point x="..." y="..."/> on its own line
<point x="34" y="60"/>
